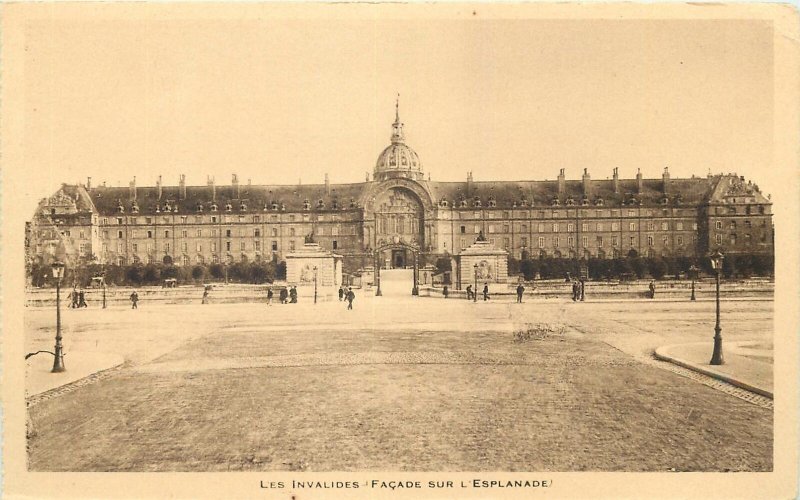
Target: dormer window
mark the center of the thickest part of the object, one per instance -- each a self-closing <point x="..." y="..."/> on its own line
<point x="228" y="207"/>
<point x="598" y="202"/>
<point x="585" y="202"/>
<point x="463" y="204"/>
<point x="320" y="204"/>
<point x="492" y="202"/>
<point x="135" y="208"/>
<point x="306" y="205"/>
<point x="555" y="202"/>
<point x="353" y="203"/>
<point x="243" y="207"/>
<point x="175" y="209"/>
<point x="120" y="209"/>
<point x="443" y="203"/>
<point x="214" y="207"/>
<point x="524" y="202"/>
<point x="199" y="208"/>
<point x="274" y="205"/>
<point x="476" y="202"/>
<point x="570" y="201"/>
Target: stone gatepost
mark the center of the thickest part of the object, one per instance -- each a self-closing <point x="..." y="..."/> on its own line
<point x="300" y="266"/>
<point x="492" y="264"/>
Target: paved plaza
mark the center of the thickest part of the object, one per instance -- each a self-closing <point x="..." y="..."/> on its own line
<point x="399" y="383"/>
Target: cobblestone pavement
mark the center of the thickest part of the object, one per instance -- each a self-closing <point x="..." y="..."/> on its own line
<point x="246" y="387"/>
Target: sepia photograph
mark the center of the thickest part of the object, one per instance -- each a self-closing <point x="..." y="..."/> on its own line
<point x="379" y="251"/>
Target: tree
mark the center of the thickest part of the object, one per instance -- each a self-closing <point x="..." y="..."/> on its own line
<point x="443" y="264"/>
<point x="529" y="268"/>
<point x="216" y="271"/>
<point x="152" y="274"/>
<point x="198" y="273"/>
<point x="639" y="266"/>
<point x="280" y="271"/>
<point x="169" y="272"/>
<point x="134" y="275"/>
<point x="658" y="268"/>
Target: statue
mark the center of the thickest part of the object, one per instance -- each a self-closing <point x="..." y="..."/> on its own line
<point x="481" y="237"/>
<point x="309" y="238"/>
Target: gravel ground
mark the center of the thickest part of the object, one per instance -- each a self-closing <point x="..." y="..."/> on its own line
<point x="245" y="387"/>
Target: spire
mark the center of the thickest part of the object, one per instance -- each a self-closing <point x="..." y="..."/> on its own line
<point x="397" y="127"/>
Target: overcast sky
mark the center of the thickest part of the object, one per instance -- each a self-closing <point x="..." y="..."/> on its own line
<point x="280" y="101"/>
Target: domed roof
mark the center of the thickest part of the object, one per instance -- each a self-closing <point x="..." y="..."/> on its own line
<point x="398" y="156"/>
<point x="398" y="159"/>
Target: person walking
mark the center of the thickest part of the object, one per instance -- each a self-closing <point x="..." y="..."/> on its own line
<point x="205" y="296"/>
<point x="350" y="298"/>
<point x="520" y="291"/>
<point x="485" y="291"/>
<point x="82" y="298"/>
<point x="283" y="295"/>
<point x="574" y="291"/>
<point x="74" y="296"/>
<point x="341" y="293"/>
<point x="134" y="300"/>
<point x="269" y="296"/>
<point x="469" y="292"/>
<point x="293" y="295"/>
<point x="652" y="289"/>
<point x="445" y="291"/>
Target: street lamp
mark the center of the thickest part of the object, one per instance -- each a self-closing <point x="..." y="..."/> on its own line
<point x="475" y="290"/>
<point x="716" y="357"/>
<point x="58" y="363"/>
<point x="693" y="272"/>
<point x="315" y="284"/>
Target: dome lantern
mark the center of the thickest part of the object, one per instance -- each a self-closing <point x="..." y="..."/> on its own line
<point x="398" y="160"/>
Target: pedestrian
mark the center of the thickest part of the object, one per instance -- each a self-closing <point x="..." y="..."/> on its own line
<point x="469" y="292"/>
<point x="520" y="291"/>
<point x="574" y="291"/>
<point x="82" y="298"/>
<point x="445" y="291"/>
<point x="485" y="291"/>
<point x="341" y="293"/>
<point x="269" y="296"/>
<point x="583" y="290"/>
<point x="652" y="289"/>
<point x="205" y="296"/>
<point x="350" y="298"/>
<point x="134" y="300"/>
<point x="74" y="298"/>
<point x="293" y="295"/>
<point x="283" y="295"/>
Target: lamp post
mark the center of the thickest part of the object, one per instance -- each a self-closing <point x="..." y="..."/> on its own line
<point x="716" y="357"/>
<point x="58" y="363"/>
<point x="475" y="290"/>
<point x="378" y="274"/>
<point x="693" y="271"/>
<point x="315" y="284"/>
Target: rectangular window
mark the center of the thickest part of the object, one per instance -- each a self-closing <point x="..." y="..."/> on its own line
<point x="633" y="241"/>
<point x="585" y="227"/>
<point x="227" y="233"/>
<point x="242" y="246"/>
<point x="185" y="247"/>
<point x="506" y="242"/>
<point x="491" y="228"/>
<point x="81" y="235"/>
<point x="650" y="226"/>
<point x="649" y="241"/>
<point x="133" y="234"/>
<point x="570" y="241"/>
<point x="257" y="245"/>
<point x="119" y="221"/>
<point x="733" y="238"/>
<point x="200" y="247"/>
<point x="665" y="240"/>
<point x="555" y="214"/>
<point x="184" y="233"/>
<point x="680" y="240"/>
<point x="541" y="241"/>
<point x="541" y="227"/>
<point x="631" y="226"/>
<point x="505" y="228"/>
<point x="256" y="219"/>
<point x="213" y="246"/>
<point x="274" y="231"/>
<point x="718" y="239"/>
<point x="614" y="241"/>
<point x="291" y="231"/>
<point x="228" y="246"/>
<point x="679" y="226"/>
<point x="213" y="218"/>
<point x="477" y="229"/>
<point x="665" y="226"/>
<point x="555" y="227"/>
<point x="166" y="234"/>
<point x="463" y="229"/>
<point x="82" y="248"/>
<point x="694" y="226"/>
<point x="631" y="213"/>
<point x="119" y="247"/>
<point x="718" y="224"/>
<point x="147" y="220"/>
<point x="463" y="243"/>
<point x="335" y="244"/>
<point x="291" y="246"/>
<point x="166" y="247"/>
<point x="256" y="233"/>
<point x="556" y="241"/>
<point x="135" y="247"/>
<point x="184" y="219"/>
<point x="149" y="234"/>
<point x="119" y="234"/>
<point x="274" y="246"/>
<point x="241" y="232"/>
<point x="335" y="231"/>
<point x="105" y="234"/>
<point x="570" y="227"/>
<point x="599" y="226"/>
<point x="615" y="226"/>
<point x="585" y="241"/>
<point x="599" y="241"/>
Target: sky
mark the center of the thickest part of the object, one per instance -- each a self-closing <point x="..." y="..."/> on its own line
<point x="287" y="101"/>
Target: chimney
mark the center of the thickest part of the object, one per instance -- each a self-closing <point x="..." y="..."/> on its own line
<point x="88" y="183"/>
<point x="639" y="183"/>
<point x="132" y="189"/>
<point x="158" y="187"/>
<point x="469" y="183"/>
<point x="213" y="188"/>
<point x="237" y="194"/>
<point x="182" y="187"/>
<point x="616" y="180"/>
<point x="665" y="180"/>
<point x="327" y="185"/>
<point x="562" y="185"/>
<point x="587" y="182"/>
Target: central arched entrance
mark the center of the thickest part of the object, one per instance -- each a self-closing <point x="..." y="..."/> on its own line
<point x="401" y="256"/>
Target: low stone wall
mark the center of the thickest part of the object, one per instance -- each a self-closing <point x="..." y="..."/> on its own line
<point x="610" y="290"/>
<point x="233" y="293"/>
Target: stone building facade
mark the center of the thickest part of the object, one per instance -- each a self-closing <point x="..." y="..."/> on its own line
<point x="400" y="213"/>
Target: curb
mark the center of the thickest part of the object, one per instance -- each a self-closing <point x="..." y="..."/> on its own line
<point x="659" y="354"/>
